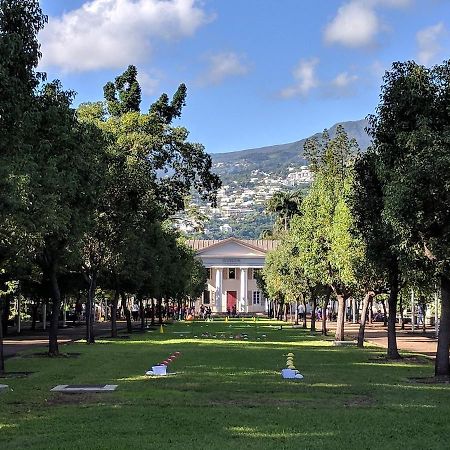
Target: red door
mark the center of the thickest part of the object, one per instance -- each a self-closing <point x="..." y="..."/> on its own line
<point x="231" y="299"/>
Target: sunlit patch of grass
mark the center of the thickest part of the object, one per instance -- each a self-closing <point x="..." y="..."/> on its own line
<point x="4" y="426"/>
<point x="412" y="406"/>
<point x="330" y="385"/>
<point x="391" y="364"/>
<point x="257" y="433"/>
<point x="134" y="378"/>
<point x="413" y="387"/>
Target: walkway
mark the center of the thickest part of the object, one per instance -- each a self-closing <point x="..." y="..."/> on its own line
<point x="38" y="339"/>
<point x="376" y="334"/>
<point x="407" y="340"/>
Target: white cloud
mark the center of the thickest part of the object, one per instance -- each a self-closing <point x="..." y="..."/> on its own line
<point x="344" y="80"/>
<point x="224" y="65"/>
<point x="377" y="69"/>
<point x="149" y="83"/>
<point x="393" y="3"/>
<point x="428" y="43"/>
<point x="305" y="79"/>
<point x="355" y="25"/>
<point x="104" y="34"/>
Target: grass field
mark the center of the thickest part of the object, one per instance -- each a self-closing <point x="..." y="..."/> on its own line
<point x="227" y="393"/>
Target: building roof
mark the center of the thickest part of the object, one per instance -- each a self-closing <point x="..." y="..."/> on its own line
<point x="264" y="245"/>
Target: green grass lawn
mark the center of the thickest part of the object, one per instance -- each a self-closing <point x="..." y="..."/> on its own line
<point x="227" y="393"/>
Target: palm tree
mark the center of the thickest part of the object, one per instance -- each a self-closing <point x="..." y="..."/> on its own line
<point x="286" y="205"/>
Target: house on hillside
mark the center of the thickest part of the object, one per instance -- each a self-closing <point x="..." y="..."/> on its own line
<point x="232" y="264"/>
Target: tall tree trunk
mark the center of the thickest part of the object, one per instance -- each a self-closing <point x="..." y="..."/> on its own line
<point x="286" y="310"/>
<point x="340" y="317"/>
<point x="2" y="359"/>
<point x="423" y="307"/>
<point x="383" y="303"/>
<point x="371" y="311"/>
<point x="114" y="304"/>
<point x="34" y="313"/>
<point x="324" y="312"/>
<point x="159" y="310"/>
<point x="402" y="319"/>
<point x="362" y="324"/>
<point x="141" y="311"/>
<point x="5" y="316"/>
<point x="304" y="313"/>
<point x="90" y="309"/>
<point x="53" y="349"/>
<point x="152" y="313"/>
<point x="313" y="315"/>
<point x="392" y="351"/>
<point x="280" y="310"/>
<point x="276" y="308"/>
<point x="126" y="312"/>
<point x="296" y="312"/>
<point x="442" y="365"/>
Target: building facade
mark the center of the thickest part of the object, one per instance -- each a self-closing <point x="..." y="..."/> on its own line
<point x="232" y="264"/>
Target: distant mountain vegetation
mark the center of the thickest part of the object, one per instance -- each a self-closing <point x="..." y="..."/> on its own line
<point x="277" y="158"/>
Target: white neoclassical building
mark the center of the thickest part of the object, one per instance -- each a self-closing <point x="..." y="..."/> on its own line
<point x="231" y="265"/>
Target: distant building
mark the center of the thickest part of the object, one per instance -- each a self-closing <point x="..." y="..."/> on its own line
<point x="304" y="175"/>
<point x="225" y="228"/>
<point x="232" y="264"/>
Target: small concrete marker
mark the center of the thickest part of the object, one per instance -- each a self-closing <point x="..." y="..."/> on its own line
<point x="84" y="388"/>
<point x="4" y="387"/>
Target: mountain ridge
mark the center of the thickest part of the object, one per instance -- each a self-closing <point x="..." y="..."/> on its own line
<point x="277" y="157"/>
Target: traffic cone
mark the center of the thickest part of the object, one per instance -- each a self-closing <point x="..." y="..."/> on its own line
<point x="161" y="329"/>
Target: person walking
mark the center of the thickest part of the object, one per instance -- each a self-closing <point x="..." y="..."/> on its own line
<point x="135" y="311"/>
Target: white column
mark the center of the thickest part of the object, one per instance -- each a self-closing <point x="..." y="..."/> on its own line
<point x="219" y="275"/>
<point x="412" y="311"/>
<point x="243" y="292"/>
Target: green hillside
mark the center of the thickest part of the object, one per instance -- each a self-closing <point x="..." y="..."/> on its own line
<point x="275" y="158"/>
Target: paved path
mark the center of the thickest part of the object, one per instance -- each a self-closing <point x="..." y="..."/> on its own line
<point x="38" y="339"/>
<point x="407" y="340"/>
<point x="375" y="334"/>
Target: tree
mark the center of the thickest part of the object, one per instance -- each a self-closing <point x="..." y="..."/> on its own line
<point x="383" y="260"/>
<point x="124" y="95"/>
<point x="66" y="169"/>
<point x="273" y="274"/>
<point x="411" y="137"/>
<point x="152" y="170"/>
<point x="329" y="250"/>
<point x="285" y="205"/>
<point x="283" y="276"/>
<point x="20" y="22"/>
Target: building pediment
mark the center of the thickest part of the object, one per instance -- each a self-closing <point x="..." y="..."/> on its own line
<point x="231" y="248"/>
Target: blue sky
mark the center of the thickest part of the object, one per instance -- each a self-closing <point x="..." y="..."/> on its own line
<point x="258" y="72"/>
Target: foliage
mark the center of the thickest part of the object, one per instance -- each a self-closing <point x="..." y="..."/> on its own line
<point x="328" y="250"/>
<point x="285" y="205"/>
<point x="411" y="133"/>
